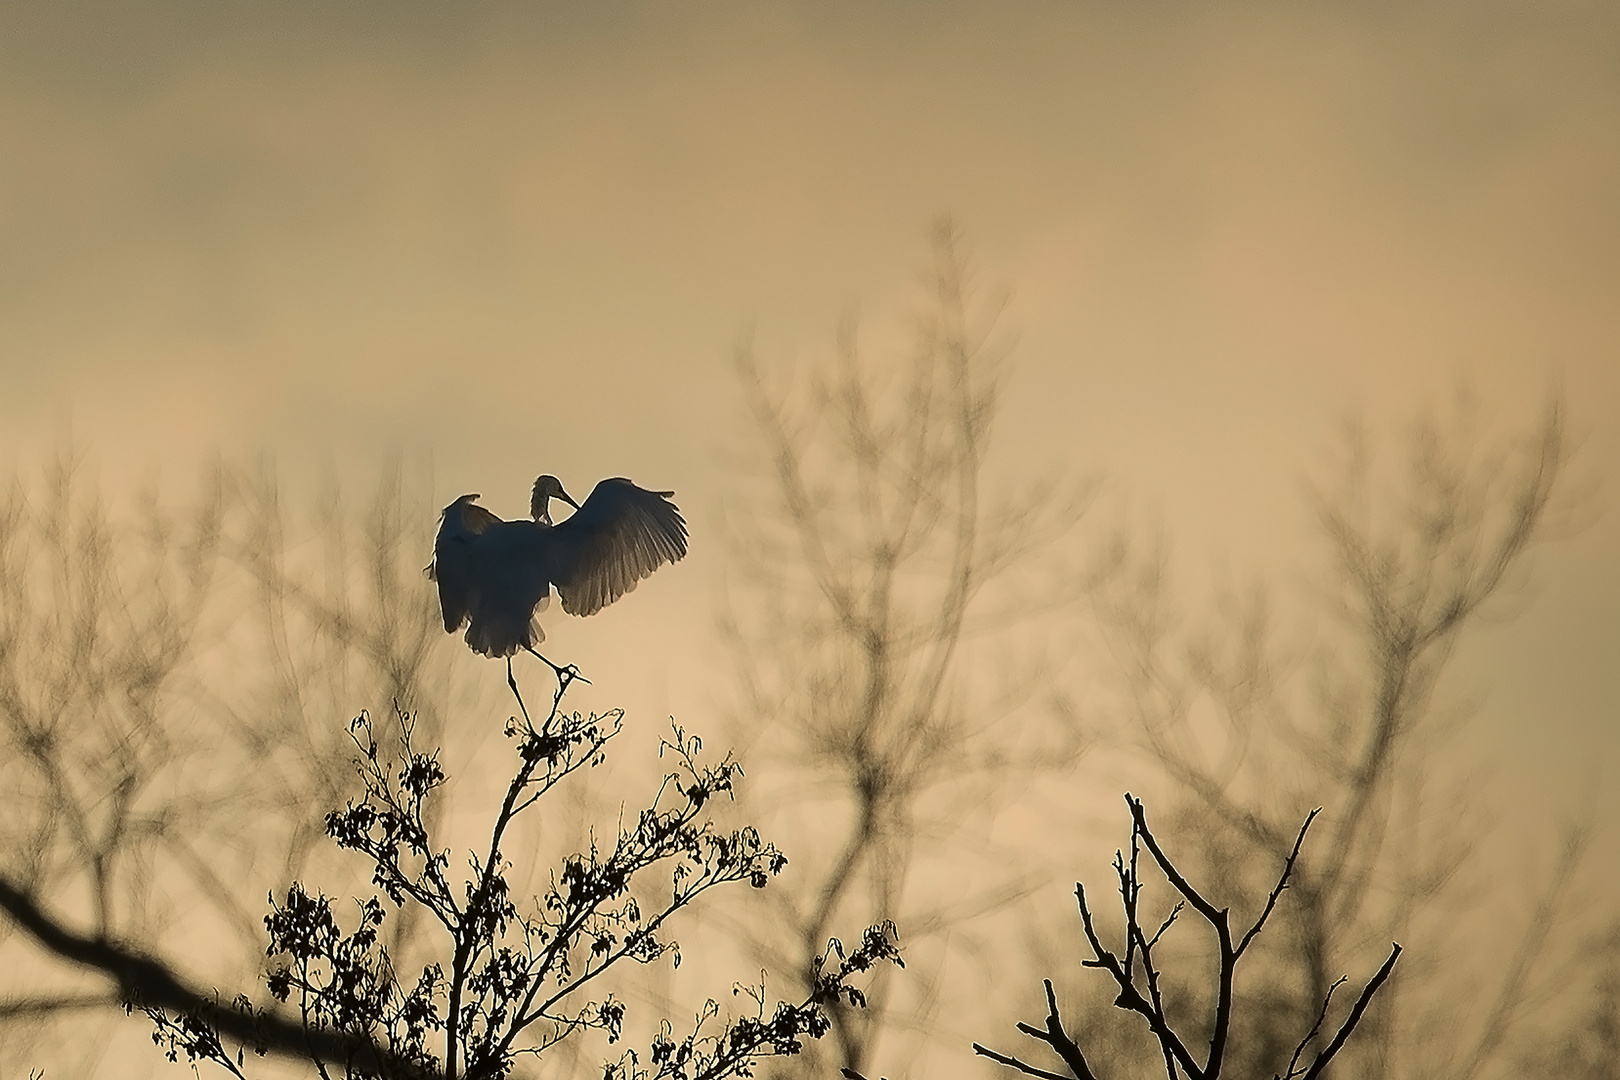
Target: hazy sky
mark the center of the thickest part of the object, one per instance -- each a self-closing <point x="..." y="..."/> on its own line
<point x="526" y="239"/>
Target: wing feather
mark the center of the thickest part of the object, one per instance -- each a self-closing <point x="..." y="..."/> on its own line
<point x="475" y="519"/>
<point x="618" y="536"/>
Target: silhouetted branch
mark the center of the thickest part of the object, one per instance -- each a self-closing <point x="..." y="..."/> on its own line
<point x="1350" y="1022"/>
<point x="147" y="983"/>
<point x="1055" y="1037"/>
<point x="1005" y="1059"/>
<point x="1146" y="1000"/>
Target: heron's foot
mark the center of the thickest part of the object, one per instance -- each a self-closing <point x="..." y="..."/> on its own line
<point x="566" y="673"/>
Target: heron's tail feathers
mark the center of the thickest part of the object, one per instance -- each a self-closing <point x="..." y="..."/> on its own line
<point x="503" y="635"/>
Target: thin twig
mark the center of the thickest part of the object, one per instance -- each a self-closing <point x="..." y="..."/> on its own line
<point x="1310" y="1036"/>
<point x="1354" y="1018"/>
<point x="1282" y="883"/>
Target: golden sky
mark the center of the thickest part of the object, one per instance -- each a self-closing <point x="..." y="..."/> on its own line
<point x="525" y="238"/>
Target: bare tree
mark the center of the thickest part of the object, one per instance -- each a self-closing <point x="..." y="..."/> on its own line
<point x="1136" y="973"/>
<point x="508" y="978"/>
<point x="1251" y="731"/>
<point x="344" y="619"/>
<point x="167" y="751"/>
<point x="858" y="583"/>
<point x="104" y="785"/>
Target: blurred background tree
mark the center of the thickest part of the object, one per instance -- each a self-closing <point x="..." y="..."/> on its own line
<point x="170" y="677"/>
<point x="114" y="797"/>
<point x="1252" y="721"/>
<point x="1584" y="1042"/>
<point x="877" y="579"/>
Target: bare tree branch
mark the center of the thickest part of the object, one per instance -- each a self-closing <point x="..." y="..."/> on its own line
<point x="1348" y="724"/>
<point x="1139" y="954"/>
<point x="147" y="982"/>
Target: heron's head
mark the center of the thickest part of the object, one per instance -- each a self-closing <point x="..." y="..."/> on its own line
<point x="546" y="488"/>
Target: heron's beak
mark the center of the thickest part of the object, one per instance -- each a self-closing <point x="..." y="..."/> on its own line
<point x="565" y="497"/>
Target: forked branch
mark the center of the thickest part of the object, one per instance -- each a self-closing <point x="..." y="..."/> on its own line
<point x="1138" y="977"/>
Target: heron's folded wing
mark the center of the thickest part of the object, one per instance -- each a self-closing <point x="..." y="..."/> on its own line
<point x="475" y="519"/>
<point x="450" y="566"/>
<point x="451" y="576"/>
<point x="620" y="535"/>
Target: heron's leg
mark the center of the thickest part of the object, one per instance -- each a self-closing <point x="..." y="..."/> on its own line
<point x="512" y="682"/>
<point x="565" y="675"/>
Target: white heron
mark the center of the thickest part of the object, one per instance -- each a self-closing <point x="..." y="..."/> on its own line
<point x="495" y="576"/>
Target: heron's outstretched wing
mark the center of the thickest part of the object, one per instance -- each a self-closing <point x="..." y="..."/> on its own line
<point x="618" y="536"/>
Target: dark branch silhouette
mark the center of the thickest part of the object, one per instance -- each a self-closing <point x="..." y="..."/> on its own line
<point x="146" y="982"/>
<point x="1137" y="974"/>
